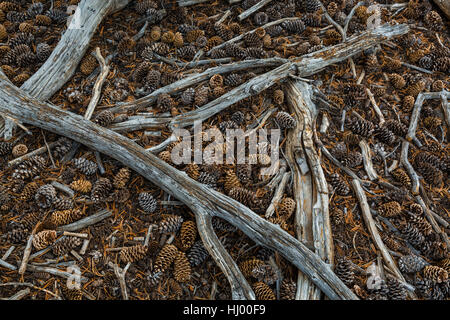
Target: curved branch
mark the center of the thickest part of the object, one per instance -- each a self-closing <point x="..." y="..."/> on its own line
<point x="198" y="197"/>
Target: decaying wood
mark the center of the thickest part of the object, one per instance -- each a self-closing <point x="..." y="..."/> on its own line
<point x="375" y="107"/>
<point x="203" y="201"/>
<point x="253" y="9"/>
<point x="85" y="222"/>
<point x="8" y="253"/>
<point x="120" y="274"/>
<point x="304" y="66"/>
<point x="66" y="56"/>
<point x="194" y="79"/>
<point x="19" y="295"/>
<point x="186" y="3"/>
<point x="367" y="160"/>
<point x="26" y="253"/>
<point x="278" y="195"/>
<point x="299" y="95"/>
<point x="370" y="224"/>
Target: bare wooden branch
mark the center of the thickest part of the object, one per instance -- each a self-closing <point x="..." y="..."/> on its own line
<point x="104" y="71"/>
<point x="375" y="106"/>
<point x="140" y="124"/>
<point x="7" y="265"/>
<point x="63" y="61"/>
<point x="54" y="271"/>
<point x="367" y="160"/>
<point x="19" y="295"/>
<point x="253" y="9"/>
<point x="120" y="274"/>
<point x="278" y="195"/>
<point x="30" y="154"/>
<point x="186" y="3"/>
<point x="445" y="107"/>
<point x="370" y="224"/>
<point x="198" y="197"/>
<point x="75" y="234"/>
<point x="26" y="253"/>
<point x="85" y="222"/>
<point x="64" y="188"/>
<point x="194" y="79"/>
<point x="307" y="65"/>
<point x="27" y="284"/>
<point x="8" y="253"/>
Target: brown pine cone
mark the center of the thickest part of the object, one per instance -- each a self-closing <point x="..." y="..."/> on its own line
<point x="165" y="258"/>
<point x="416" y="209"/>
<point x="445" y="264"/>
<point x="231" y="181"/>
<point x="182" y="268"/>
<point x="390" y="209"/>
<point x="81" y="185"/>
<point x="121" y="178"/>
<point x="285" y="120"/>
<point x="192" y="35"/>
<point x="431" y="174"/>
<point x="263" y="291"/>
<point x="339" y="185"/>
<point x="188" y="233"/>
<point x="252" y="40"/>
<point x="29" y="191"/>
<point x="178" y="40"/>
<point x="192" y="170"/>
<point x="248" y="266"/>
<point x="216" y="81"/>
<point x="42" y="20"/>
<point x="435" y="273"/>
<point x="165" y="102"/>
<point x="286" y="208"/>
<point x="71" y="294"/>
<point x="63" y="217"/>
<point x="65" y="245"/>
<point x="101" y="189"/>
<point x="408" y="103"/>
<point x="434" y="21"/>
<point x="19" y="150"/>
<point x="244" y="196"/>
<point x="416" y="88"/>
<point x="397" y="80"/>
<point x="362" y="127"/>
<point x="45" y="196"/>
<point x="201" y="96"/>
<point x="133" y="254"/>
<point x="288" y="288"/>
<point x="438" y="85"/>
<point x="43" y="239"/>
<point x="88" y="64"/>
<point x="396" y="127"/>
<point x="401" y="176"/>
<point x="20" y="79"/>
<point x="411" y="264"/>
<point x="104" y="118"/>
<point x="344" y="270"/>
<point x="86" y="166"/>
<point x="170" y="223"/>
<point x="421" y="224"/>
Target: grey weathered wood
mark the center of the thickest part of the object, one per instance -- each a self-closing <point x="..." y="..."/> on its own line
<point x="7" y="265"/>
<point x="66" y="56"/>
<point x="253" y="9"/>
<point x="304" y="66"/>
<point x="139" y="124"/>
<point x="85" y="222"/>
<point x="194" y="79"/>
<point x="186" y="3"/>
<point x="198" y="197"/>
<point x="367" y="160"/>
<point x="278" y="194"/>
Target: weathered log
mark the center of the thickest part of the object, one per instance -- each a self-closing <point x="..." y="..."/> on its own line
<point x="203" y="201"/>
<point x="304" y="66"/>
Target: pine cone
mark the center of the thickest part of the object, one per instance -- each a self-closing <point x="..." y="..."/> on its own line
<point x="223" y="31"/>
<point x="121" y="178"/>
<point x="187" y="52"/>
<point x="182" y="268"/>
<point x="187" y="97"/>
<point x="435" y="274"/>
<point x="244" y="173"/>
<point x="86" y="166"/>
<point x="209" y="179"/>
<point x="233" y="80"/>
<point x="165" y="258"/>
<point x="43" y="20"/>
<point x="265" y="273"/>
<point x="81" y="185"/>
<point x="285" y="120"/>
<point x="88" y="64"/>
<point x="421" y="224"/>
<point x="165" y="102"/>
<point x="288" y="289"/>
<point x="101" y="190"/>
<point x="396" y="127"/>
<point x="397" y="80"/>
<point x="63" y="203"/>
<point x="133" y="254"/>
<point x="286" y="208"/>
<point x="231" y="181"/>
<point x="29" y="191"/>
<point x="263" y="291"/>
<point x="248" y="266"/>
<point x="237" y="117"/>
<point x="170" y="223"/>
<point x="431" y="175"/>
<point x="434" y="250"/>
<point x="71" y="294"/>
<point x="396" y="289"/>
<point x="63" y="217"/>
<point x="362" y="127"/>
<point x="416" y="209"/>
<point x="294" y="26"/>
<point x="434" y="21"/>
<point x="45" y="196"/>
<point x="147" y="202"/>
<point x="411" y="264"/>
<point x="17" y="236"/>
<point x="5" y="148"/>
<point x="197" y="254"/>
<point x="344" y="270"/>
<point x="384" y="135"/>
<point x="401" y="176"/>
<point x="201" y="96"/>
<point x="390" y="209"/>
<point x="408" y="103"/>
<point x="244" y="196"/>
<point x="412" y="234"/>
<point x="65" y="245"/>
<point x="160" y="48"/>
<point x="62" y="146"/>
<point x="104" y="118"/>
<point x="43" y="239"/>
<point x="188" y="233"/>
<point x="416" y="88"/>
<point x="178" y="40"/>
<point x="261" y="18"/>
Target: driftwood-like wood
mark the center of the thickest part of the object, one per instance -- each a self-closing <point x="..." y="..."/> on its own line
<point x="63" y="61"/>
<point x="367" y="160"/>
<point x="194" y="79"/>
<point x="203" y="201"/>
<point x="304" y="66"/>
<point x="139" y="124"/>
<point x="253" y="9"/>
<point x="299" y="95"/>
<point x="85" y="222"/>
